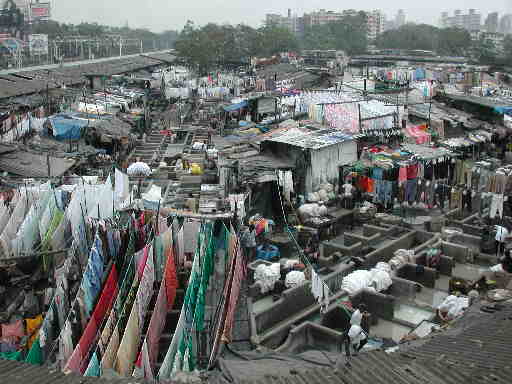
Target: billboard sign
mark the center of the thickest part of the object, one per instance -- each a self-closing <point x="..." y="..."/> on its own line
<point x="40" y="11"/>
<point x="38" y="44"/>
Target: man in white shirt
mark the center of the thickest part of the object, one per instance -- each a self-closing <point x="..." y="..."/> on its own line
<point x="502" y="235"/>
<point x="347" y="194"/>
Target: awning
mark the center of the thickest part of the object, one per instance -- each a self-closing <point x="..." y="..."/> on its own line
<point x="235" y="107"/>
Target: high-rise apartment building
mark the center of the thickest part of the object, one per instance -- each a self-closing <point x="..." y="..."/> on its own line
<point x="472" y="21"/>
<point x="376" y="20"/>
<point x="491" y="22"/>
<point x="321" y="17"/>
<point x="290" y="22"/>
<point x="505" y="24"/>
<point x="375" y="24"/>
<point x="400" y="18"/>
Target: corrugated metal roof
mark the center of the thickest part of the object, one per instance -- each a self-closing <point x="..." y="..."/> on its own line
<point x="13" y="372"/>
<point x="312" y="139"/>
<point x="30" y="164"/>
<point x="477" y="350"/>
<point x="36" y="80"/>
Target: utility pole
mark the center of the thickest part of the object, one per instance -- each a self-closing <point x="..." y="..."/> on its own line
<point x="120" y="46"/>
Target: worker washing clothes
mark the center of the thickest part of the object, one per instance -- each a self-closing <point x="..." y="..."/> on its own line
<point x="356" y="336"/>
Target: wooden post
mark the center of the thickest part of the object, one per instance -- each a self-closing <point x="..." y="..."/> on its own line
<point x="48" y="165"/>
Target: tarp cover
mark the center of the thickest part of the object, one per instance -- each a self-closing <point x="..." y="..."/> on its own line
<point x="235" y="107"/>
<point x="67" y="129"/>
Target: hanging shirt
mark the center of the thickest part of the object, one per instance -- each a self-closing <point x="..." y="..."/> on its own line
<point x="501" y="233"/>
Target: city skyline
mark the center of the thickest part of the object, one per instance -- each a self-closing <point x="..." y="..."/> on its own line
<point x="159" y="15"/>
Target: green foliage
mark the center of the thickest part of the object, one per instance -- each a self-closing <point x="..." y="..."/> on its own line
<point x="215" y="44"/>
<point x="447" y="41"/>
<point x="348" y="34"/>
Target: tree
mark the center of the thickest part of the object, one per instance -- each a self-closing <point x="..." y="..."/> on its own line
<point x="507" y="47"/>
<point x="410" y="36"/>
<point x="213" y="44"/>
<point x="453" y="41"/>
<point x="348" y="34"/>
<point x="485" y="51"/>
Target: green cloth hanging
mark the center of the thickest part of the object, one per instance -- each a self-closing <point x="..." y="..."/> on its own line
<point x="93" y="370"/>
<point x="159" y="261"/>
<point x="14" y="356"/>
<point x="35" y="355"/>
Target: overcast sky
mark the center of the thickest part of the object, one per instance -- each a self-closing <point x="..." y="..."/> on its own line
<point x="159" y="15"/>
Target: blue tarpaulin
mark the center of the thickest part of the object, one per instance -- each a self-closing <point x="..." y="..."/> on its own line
<point x="504" y="110"/>
<point x="67" y="129"/>
<point x="235" y="107"/>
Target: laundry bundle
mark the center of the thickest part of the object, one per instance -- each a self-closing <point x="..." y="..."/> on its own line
<point x="356" y="281"/>
<point x="294" y="279"/>
<point x="139" y="169"/>
<point x="401" y="257"/>
<point x="267" y="276"/>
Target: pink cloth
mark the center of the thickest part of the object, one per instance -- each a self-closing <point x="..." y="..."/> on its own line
<point x="15" y="329"/>
<point x="402" y="175"/>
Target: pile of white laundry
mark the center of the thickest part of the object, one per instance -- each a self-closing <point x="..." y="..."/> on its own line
<point x="401" y="257"/>
<point x="139" y="169"/>
<point x="294" y="279"/>
<point x="377" y="279"/>
<point x="267" y="276"/>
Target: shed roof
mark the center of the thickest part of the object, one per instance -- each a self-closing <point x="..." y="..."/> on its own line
<point x="311" y="139"/>
<point x="31" y="164"/>
<point x="476" y="350"/>
<point x="37" y="79"/>
<point x="22" y="373"/>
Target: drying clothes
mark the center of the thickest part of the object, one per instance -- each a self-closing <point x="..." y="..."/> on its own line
<point x="402" y="175"/>
<point x="412" y="171"/>
<point x="122" y="188"/>
<point x="501" y="233"/>
<point x="65" y="344"/>
<point x="94" y="368"/>
<point x="128" y="347"/>
<point x="320" y="290"/>
<point x="33" y="325"/>
<point x="78" y="361"/>
<point x="15" y="330"/>
<point x="35" y="355"/>
<point x="496" y="206"/>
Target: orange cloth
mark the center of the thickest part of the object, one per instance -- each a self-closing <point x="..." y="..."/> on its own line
<point x="371" y="186"/>
<point x="33" y="326"/>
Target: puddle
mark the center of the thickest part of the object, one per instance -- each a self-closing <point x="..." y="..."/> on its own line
<point x="390" y="330"/>
<point x="411" y="314"/>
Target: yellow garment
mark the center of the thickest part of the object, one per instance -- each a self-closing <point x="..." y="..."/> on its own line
<point x="33" y="326"/>
<point x="195" y="169"/>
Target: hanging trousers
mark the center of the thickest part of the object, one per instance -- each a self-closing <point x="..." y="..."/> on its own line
<point x="496" y="206"/>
